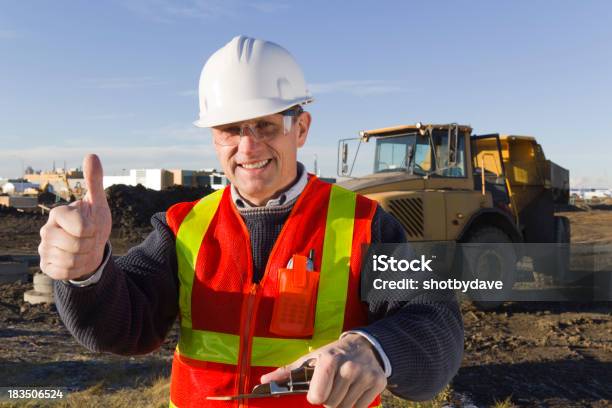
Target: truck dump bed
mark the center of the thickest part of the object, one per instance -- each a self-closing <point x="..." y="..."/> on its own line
<point x="559" y="183"/>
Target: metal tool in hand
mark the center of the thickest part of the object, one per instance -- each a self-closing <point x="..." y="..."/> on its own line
<point x="298" y="383"/>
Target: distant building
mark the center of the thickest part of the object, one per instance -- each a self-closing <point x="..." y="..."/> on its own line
<point x="597" y="193"/>
<point x="19" y="186"/>
<point x="591" y="193"/>
<point x="159" y="179"/>
<point x="155" y="179"/>
<point x="58" y="182"/>
<point x="200" y="178"/>
<point x="23" y="202"/>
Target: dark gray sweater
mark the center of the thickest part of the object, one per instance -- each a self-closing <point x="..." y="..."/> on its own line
<point x="135" y="303"/>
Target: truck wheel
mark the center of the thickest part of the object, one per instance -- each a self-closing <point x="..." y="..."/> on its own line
<point x="562" y="239"/>
<point x="556" y="264"/>
<point x="489" y="263"/>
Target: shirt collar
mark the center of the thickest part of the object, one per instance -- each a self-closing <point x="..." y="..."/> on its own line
<point x="290" y="195"/>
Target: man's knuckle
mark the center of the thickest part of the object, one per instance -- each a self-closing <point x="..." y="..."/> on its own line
<point x="352" y="365"/>
<point x="332" y="358"/>
<point x="48" y="271"/>
<point x="44" y="232"/>
<point x="58" y="212"/>
<point x="314" y="398"/>
<point x="54" y="274"/>
<point x="328" y="403"/>
<point x="52" y="271"/>
<point x="54" y="212"/>
<point x="350" y="369"/>
<point x="70" y="262"/>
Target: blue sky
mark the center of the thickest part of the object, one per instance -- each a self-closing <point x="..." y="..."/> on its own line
<point x="120" y="77"/>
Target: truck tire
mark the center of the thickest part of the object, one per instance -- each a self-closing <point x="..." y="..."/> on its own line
<point x="562" y="238"/>
<point x="489" y="263"/>
<point x="557" y="264"/>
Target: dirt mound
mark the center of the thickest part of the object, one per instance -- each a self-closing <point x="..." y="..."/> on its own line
<point x="132" y="207"/>
<point x="19" y="231"/>
<point x="49" y="199"/>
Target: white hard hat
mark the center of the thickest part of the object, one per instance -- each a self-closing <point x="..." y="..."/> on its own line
<point x="249" y="78"/>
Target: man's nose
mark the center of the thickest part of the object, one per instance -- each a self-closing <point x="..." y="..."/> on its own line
<point x="248" y="141"/>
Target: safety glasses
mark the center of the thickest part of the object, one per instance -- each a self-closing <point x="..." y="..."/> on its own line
<point x="262" y="130"/>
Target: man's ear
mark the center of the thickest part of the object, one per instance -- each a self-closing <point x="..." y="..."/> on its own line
<point x="303" y="123"/>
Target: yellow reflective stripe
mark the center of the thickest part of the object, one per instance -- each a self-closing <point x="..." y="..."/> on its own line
<point x="209" y="346"/>
<point x="271" y="352"/>
<point x="334" y="277"/>
<point x="223" y="348"/>
<point x="172" y="405"/>
<point x="188" y="242"/>
<point x="275" y="352"/>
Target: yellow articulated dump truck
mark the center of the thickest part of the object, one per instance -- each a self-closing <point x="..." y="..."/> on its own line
<point x="444" y="184"/>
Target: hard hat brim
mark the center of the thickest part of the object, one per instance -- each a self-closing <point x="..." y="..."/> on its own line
<point x="247" y="110"/>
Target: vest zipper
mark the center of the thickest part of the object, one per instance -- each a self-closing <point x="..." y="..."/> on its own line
<point x="246" y="341"/>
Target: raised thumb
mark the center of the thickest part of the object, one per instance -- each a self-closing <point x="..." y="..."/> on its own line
<point x="93" y="173"/>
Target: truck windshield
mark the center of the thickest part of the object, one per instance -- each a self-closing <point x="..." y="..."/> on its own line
<point x="412" y="153"/>
<point x="409" y="152"/>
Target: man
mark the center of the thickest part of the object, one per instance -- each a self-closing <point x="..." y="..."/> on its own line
<point x="240" y="265"/>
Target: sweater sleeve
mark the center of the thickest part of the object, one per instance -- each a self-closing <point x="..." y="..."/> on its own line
<point x="132" y="307"/>
<point x="422" y="336"/>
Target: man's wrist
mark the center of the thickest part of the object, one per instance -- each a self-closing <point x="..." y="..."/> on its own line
<point x="377" y="349"/>
<point x="94" y="277"/>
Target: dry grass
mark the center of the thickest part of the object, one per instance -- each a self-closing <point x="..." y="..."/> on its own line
<point x="507" y="403"/>
<point x="154" y="395"/>
<point x="391" y="401"/>
<point x="151" y="396"/>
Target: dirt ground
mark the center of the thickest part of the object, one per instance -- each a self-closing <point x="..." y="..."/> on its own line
<point x="536" y="353"/>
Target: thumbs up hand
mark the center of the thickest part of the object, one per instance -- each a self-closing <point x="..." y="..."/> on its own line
<point x="73" y="239"/>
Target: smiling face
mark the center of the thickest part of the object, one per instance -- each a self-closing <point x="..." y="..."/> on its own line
<point x="261" y="170"/>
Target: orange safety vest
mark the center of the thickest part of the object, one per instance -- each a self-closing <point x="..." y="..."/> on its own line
<point x="225" y="342"/>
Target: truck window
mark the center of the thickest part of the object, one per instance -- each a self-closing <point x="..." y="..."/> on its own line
<point x="392" y="154"/>
<point x="443" y="167"/>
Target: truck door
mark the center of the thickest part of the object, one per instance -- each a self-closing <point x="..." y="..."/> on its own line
<point x="489" y="173"/>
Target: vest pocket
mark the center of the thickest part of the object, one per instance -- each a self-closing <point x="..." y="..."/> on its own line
<point x="294" y="308"/>
<point x="194" y="380"/>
